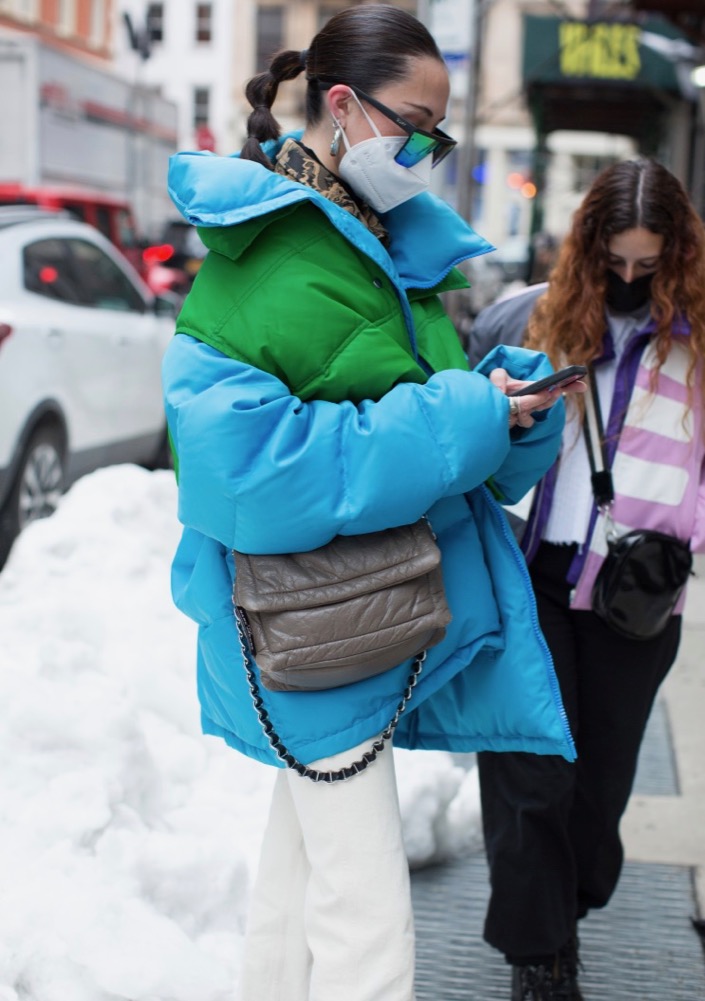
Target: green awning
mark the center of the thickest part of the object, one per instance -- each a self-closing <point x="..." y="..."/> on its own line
<point x="601" y="53"/>
<point x="603" y="76"/>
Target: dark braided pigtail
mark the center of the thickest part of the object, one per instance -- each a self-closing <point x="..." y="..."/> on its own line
<point x="261" y="92"/>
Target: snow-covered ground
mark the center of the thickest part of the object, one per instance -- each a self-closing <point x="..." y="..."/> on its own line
<point x="128" y="841"/>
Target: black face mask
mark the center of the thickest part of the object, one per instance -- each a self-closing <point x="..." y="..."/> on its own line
<point x="627" y="297"/>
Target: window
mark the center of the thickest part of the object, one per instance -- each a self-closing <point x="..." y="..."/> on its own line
<point x="127" y="234"/>
<point x="155" y="21"/>
<point x="270" y="35"/>
<point x="48" y="271"/>
<point x="102" y="284"/>
<point x="26" y="10"/>
<point x="102" y="221"/>
<point x="77" y="210"/>
<point x="66" y="17"/>
<point x="78" y="273"/>
<point x="204" y="18"/>
<point x="201" y="106"/>
<point x="97" y="23"/>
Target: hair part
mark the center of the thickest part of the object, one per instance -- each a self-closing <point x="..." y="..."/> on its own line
<point x="366" y="47"/>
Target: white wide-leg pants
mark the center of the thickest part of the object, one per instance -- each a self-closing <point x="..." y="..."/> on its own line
<point x="330" y="917"/>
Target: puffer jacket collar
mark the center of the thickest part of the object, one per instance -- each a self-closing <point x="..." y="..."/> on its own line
<point x="427" y="238"/>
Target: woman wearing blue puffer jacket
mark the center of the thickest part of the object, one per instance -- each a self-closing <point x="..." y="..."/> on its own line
<point x="317" y="388"/>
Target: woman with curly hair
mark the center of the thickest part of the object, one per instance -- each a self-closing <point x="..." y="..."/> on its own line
<point x="627" y="298"/>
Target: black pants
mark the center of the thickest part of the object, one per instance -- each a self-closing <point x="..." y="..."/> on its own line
<point x="552" y="828"/>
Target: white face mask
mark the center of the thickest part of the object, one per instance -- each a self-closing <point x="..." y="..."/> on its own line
<point x="371" y="171"/>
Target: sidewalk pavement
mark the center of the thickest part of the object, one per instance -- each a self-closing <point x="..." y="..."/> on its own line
<point x="671" y="829"/>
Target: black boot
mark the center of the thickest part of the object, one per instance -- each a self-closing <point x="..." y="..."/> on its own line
<point x="532" y="983"/>
<point x="568" y="962"/>
<point x="557" y="981"/>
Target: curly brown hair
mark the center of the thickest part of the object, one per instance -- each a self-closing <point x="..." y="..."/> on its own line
<point x="569" y="320"/>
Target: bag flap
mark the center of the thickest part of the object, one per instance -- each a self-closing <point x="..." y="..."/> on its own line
<point x="644" y="554"/>
<point x="347" y="566"/>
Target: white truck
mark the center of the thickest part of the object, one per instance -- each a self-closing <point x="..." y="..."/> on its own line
<point x="65" y="121"/>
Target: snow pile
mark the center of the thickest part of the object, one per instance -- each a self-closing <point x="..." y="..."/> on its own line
<point x="128" y="840"/>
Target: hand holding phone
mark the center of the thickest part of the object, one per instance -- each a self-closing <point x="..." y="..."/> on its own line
<point x="555" y="381"/>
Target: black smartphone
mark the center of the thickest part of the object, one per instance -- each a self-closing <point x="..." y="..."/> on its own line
<point x="561" y="378"/>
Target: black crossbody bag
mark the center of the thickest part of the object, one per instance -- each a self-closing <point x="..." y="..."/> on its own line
<point x="644" y="572"/>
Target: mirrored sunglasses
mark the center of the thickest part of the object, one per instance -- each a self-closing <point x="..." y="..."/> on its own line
<point x="420" y="143"/>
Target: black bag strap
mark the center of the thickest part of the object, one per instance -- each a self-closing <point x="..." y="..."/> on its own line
<point x="594" y="431"/>
<point x="340" y="774"/>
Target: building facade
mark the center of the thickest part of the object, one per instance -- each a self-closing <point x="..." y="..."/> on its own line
<point x="506" y="140"/>
<point x="80" y="26"/>
<point x="74" y="121"/>
<point x="201" y="55"/>
<point x="190" y="51"/>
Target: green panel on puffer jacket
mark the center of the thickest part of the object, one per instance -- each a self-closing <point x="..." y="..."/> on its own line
<point x="247" y="302"/>
<point x="436" y="337"/>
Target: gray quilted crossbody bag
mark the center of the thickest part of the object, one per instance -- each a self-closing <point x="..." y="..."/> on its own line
<point x="342" y="613"/>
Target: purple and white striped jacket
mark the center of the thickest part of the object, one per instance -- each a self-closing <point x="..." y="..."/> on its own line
<point x="657" y="460"/>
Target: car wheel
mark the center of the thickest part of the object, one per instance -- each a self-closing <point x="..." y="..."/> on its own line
<point x="37" y="487"/>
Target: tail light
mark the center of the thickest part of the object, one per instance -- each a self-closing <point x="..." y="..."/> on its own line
<point x="5" y="331"/>
<point x="158" y="254"/>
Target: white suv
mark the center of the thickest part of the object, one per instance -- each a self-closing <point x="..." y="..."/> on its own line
<point x="81" y="343"/>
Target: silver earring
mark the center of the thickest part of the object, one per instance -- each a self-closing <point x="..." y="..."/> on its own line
<point x="335" y="142"/>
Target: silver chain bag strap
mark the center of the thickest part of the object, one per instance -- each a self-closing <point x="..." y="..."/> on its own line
<point x="285" y="755"/>
<point x="340" y="614"/>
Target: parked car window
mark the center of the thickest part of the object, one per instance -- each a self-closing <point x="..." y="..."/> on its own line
<point x="102" y="284"/>
<point x="48" y="271"/>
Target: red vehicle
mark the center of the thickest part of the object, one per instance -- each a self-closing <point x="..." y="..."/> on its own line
<point x="112" y="216"/>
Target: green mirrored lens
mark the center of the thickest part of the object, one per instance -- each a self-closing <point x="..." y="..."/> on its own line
<point x="415" y="149"/>
<point x="422" y="144"/>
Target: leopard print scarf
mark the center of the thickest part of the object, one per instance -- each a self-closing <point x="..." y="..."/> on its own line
<point x="294" y="162"/>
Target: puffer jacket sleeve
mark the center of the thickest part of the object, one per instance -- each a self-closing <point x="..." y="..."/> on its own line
<point x="260" y="471"/>
<point x="534" y="450"/>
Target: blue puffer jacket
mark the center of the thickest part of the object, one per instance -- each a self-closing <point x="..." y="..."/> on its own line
<point x="261" y="471"/>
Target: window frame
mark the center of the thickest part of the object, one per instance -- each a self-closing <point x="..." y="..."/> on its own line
<point x="73" y="270"/>
<point x="66" y="17"/>
<point x="199" y="117"/>
<point x="267" y="43"/>
<point x="204" y="23"/>
<point x="23" y="10"/>
<point x="98" y="22"/>
<point x="154" y="21"/>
